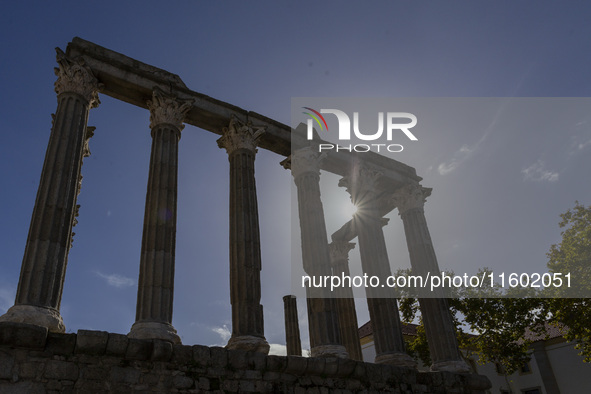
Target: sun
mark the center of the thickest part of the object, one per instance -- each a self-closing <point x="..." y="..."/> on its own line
<point x="349" y="209"/>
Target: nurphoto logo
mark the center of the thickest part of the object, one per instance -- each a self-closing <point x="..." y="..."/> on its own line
<point x="395" y="122"/>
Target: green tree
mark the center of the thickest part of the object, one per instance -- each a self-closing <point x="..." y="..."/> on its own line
<point x="500" y="318"/>
<point x="573" y="255"/>
<point x="498" y="326"/>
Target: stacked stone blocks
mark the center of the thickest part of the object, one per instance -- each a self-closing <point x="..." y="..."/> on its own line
<point x="35" y="361"/>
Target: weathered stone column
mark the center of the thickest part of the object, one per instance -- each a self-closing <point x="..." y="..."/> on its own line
<point x="347" y="315"/>
<point x="44" y="263"/>
<point x="292" y="326"/>
<point x="439" y="328"/>
<point x="325" y="338"/>
<point x="381" y="301"/>
<point x="156" y="282"/>
<point x="248" y="332"/>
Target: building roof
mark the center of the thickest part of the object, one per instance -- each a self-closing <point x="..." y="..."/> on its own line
<point x="549" y="331"/>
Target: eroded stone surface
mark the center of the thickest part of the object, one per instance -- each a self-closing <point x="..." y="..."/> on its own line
<point x="186" y="369"/>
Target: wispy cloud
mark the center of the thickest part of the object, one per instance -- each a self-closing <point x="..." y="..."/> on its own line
<point x="277" y="349"/>
<point x="580" y="140"/>
<point x="538" y="173"/>
<point x="6" y="298"/>
<point x="467" y="151"/>
<point x="116" y="280"/>
<point x="583" y="145"/>
<point x="460" y="156"/>
<point x="223" y="331"/>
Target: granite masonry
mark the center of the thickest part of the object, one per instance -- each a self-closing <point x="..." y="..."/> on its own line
<point x="35" y="361"/>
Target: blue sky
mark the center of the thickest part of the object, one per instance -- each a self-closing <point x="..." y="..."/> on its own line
<point x="497" y="196"/>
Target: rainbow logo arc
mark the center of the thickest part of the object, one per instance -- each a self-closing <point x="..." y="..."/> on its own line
<point x="315" y="115"/>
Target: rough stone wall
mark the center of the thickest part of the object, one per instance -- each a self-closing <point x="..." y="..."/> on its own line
<point x="35" y="361"/>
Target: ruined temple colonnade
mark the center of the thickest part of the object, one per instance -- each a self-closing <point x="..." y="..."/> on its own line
<point x="87" y="69"/>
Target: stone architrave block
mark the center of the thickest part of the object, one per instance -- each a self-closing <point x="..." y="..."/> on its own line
<point x="91" y="342"/>
<point x="331" y="366"/>
<point x="315" y="366"/>
<point x="162" y="350"/>
<point x="60" y="344"/>
<point x="182" y="354"/>
<point x="360" y="371"/>
<point x="202" y="355"/>
<point x="139" y="349"/>
<point x="219" y="357"/>
<point x="237" y="359"/>
<point x="117" y="345"/>
<point x="296" y="365"/>
<point x="22" y="335"/>
<point x="256" y="360"/>
<point x="276" y="363"/>
<point x="373" y="372"/>
<point x="345" y="367"/>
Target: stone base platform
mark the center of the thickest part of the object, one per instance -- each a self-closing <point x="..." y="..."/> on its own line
<point x="34" y="361"/>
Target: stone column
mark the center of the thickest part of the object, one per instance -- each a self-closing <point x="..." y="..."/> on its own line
<point x="156" y="281"/>
<point x="439" y="327"/>
<point x="44" y="263"/>
<point x="347" y="315"/>
<point x="248" y="333"/>
<point x="381" y="301"/>
<point x="292" y="326"/>
<point x="325" y="338"/>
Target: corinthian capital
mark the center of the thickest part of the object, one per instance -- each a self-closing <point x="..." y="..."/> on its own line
<point x="166" y="109"/>
<point x="362" y="179"/>
<point x="362" y="184"/>
<point x="339" y="251"/>
<point x="240" y="135"/>
<point x="412" y="196"/>
<point x="304" y="160"/>
<point x="76" y="77"/>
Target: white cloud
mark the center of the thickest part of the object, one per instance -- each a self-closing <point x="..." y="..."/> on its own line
<point x="582" y="145"/>
<point x="116" y="280"/>
<point x="459" y="157"/>
<point x="277" y="349"/>
<point x="467" y="151"/>
<point x="6" y="298"/>
<point x="223" y="331"/>
<point x="537" y="173"/>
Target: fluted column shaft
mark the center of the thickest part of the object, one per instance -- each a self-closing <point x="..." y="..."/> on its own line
<point x="292" y="326"/>
<point x="347" y="314"/>
<point x="437" y="319"/>
<point x="248" y="332"/>
<point x="44" y="263"/>
<point x="325" y="338"/>
<point x="381" y="301"/>
<point x="157" y="260"/>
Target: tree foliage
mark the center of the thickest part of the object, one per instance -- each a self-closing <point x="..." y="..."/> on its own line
<point x="501" y="318"/>
<point x="573" y="254"/>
